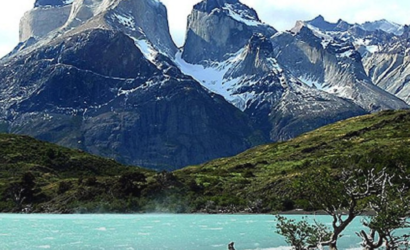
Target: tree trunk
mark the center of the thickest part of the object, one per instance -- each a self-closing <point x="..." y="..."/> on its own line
<point x="332" y="246"/>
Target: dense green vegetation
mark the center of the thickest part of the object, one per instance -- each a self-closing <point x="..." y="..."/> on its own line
<point x="263" y="179"/>
<point x="37" y="176"/>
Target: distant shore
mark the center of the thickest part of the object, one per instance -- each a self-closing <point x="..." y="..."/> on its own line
<point x="319" y="212"/>
<point x="290" y="212"/>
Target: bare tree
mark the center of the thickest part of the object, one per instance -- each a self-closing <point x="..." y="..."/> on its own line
<point x="17" y="194"/>
<point x="391" y="207"/>
<point x="340" y="196"/>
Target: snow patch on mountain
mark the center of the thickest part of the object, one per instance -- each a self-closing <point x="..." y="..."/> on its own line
<point x="345" y="54"/>
<point x="367" y="44"/>
<point x="241" y="15"/>
<point x="313" y="83"/>
<point x="146" y="48"/>
<point x="362" y="42"/>
<point x="212" y="77"/>
<point x="247" y="90"/>
<point x="373" y="48"/>
<point x="126" y="20"/>
<point x="241" y="91"/>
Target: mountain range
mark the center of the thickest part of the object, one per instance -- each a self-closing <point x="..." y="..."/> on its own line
<point x="107" y="78"/>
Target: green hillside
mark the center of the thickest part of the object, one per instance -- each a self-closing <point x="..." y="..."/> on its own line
<point x="264" y="176"/>
<point x="41" y="177"/>
<point x="36" y="176"/>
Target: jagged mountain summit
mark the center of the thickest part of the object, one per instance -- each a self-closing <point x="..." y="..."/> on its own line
<point x="143" y="20"/>
<point x="383" y="25"/>
<point x="217" y="28"/>
<point x="367" y="37"/>
<point x="389" y="67"/>
<point x="331" y="63"/>
<point x="320" y="23"/>
<point x="249" y="76"/>
<point x="102" y="86"/>
<point x="106" y="77"/>
<point x="382" y="45"/>
<point x="343" y="26"/>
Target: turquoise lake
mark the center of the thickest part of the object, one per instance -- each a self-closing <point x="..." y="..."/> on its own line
<point x="149" y="232"/>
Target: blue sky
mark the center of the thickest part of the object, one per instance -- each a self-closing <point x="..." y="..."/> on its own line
<point x="281" y="14"/>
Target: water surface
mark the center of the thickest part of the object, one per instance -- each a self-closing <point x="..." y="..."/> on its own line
<point x="149" y="232"/>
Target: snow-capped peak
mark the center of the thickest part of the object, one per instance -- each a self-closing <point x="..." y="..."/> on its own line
<point x="383" y="25"/>
<point x="242" y="15"/>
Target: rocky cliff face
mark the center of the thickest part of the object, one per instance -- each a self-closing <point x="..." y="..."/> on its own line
<point x="382" y="45"/>
<point x="280" y="104"/>
<point x="97" y="92"/>
<point x="304" y="80"/>
<point x="256" y="59"/>
<point x="389" y="67"/>
<point x="331" y="64"/>
<point x="47" y="16"/>
<point x="106" y="77"/>
<point x="367" y="37"/>
<point x="217" y="28"/>
<point x="141" y="19"/>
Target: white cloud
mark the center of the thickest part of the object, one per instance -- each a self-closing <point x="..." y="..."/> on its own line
<point x="281" y="14"/>
<point x="177" y="15"/>
<point x="10" y="14"/>
<point x="7" y="42"/>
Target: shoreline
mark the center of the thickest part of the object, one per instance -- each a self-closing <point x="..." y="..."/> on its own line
<point x="291" y="212"/>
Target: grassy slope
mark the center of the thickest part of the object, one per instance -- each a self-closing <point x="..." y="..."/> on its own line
<point x="266" y="172"/>
<point x="19" y="154"/>
<point x="51" y="165"/>
<point x="260" y="178"/>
